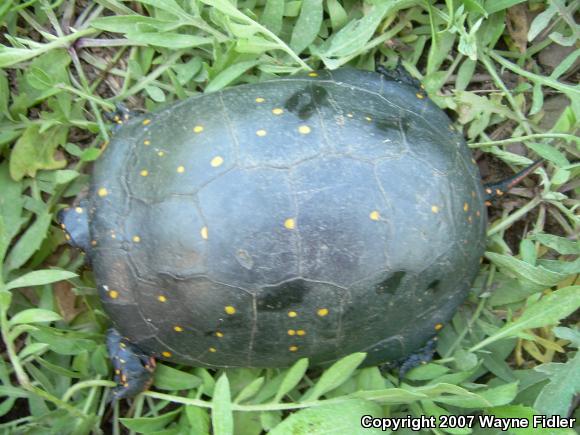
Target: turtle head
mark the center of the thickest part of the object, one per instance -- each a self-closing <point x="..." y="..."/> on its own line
<point x="75" y="224"/>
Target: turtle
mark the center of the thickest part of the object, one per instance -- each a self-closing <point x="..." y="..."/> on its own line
<point x="314" y="215"/>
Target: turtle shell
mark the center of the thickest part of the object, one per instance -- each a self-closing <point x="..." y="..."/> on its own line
<point x="311" y="216"/>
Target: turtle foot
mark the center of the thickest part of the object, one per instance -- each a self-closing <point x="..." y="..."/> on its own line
<point x="132" y="367"/>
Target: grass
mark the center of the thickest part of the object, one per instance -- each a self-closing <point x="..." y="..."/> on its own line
<point x="510" y="351"/>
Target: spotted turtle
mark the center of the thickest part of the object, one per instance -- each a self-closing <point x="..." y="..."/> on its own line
<point x="310" y="216"/>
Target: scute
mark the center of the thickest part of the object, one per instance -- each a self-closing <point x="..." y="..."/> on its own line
<point x="315" y="215"/>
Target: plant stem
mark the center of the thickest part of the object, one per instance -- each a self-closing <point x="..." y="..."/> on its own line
<point x="526" y="137"/>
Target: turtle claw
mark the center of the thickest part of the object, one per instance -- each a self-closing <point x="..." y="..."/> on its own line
<point x="132" y="367"/>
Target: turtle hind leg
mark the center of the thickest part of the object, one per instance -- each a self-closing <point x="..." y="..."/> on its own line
<point x="417" y="358"/>
<point x="132" y="367"/>
<point x="399" y="74"/>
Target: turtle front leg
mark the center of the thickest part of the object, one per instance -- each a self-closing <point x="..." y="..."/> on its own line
<point x="133" y="368"/>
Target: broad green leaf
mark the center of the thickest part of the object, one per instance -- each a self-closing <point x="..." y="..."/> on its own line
<point x="497" y="396"/>
<point x="557" y="396"/>
<point x="572" y="335"/>
<point x="537" y="99"/>
<point x="168" y="378"/>
<point x="4" y="95"/>
<point x="338" y="16"/>
<point x="40" y="277"/>
<point x="155" y="93"/>
<point x="34" y="315"/>
<point x="426" y="372"/>
<point x="541" y="21"/>
<point x="169" y="40"/>
<point x="250" y="390"/>
<point x="537" y="275"/>
<point x="29" y="243"/>
<point x="129" y="23"/>
<point x="32" y="349"/>
<point x="273" y="15"/>
<point x="549" y="310"/>
<point x="549" y="153"/>
<point x="292" y="378"/>
<point x="335" y="375"/>
<point x="230" y="74"/>
<point x="198" y="419"/>
<point x="35" y="150"/>
<point x="5" y="299"/>
<point x="492" y="6"/>
<point x="357" y="33"/>
<point x="170" y="6"/>
<point x="222" y="417"/>
<point x="338" y="419"/>
<point x="560" y="244"/>
<point x="151" y="424"/>
<point x="307" y="26"/>
<point x="464" y="74"/>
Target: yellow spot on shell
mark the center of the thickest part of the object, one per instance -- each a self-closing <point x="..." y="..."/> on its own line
<point x="79" y="210"/>
<point x="198" y="129"/>
<point x="290" y="224"/>
<point x="180" y="169"/>
<point x="67" y="237"/>
<point x="374" y="215"/>
<point x="178" y="329"/>
<point x="301" y="332"/>
<point x="260" y="100"/>
<point x="102" y="192"/>
<point x="350" y="115"/>
<point x="136" y="239"/>
<point x="113" y="294"/>
<point x="146" y="121"/>
<point x="204" y="234"/>
<point x="465" y="207"/>
<point x="144" y="173"/>
<point x="368" y="118"/>
<point x="160" y="153"/>
<point x="261" y="133"/>
<point x="217" y="161"/>
<point x="212" y="349"/>
<point x="230" y="310"/>
<point x="304" y="129"/>
<point x="438" y="326"/>
<point x="312" y="74"/>
<point x="219" y="334"/>
<point x="469" y="219"/>
<point x="277" y="111"/>
<point x="419" y="95"/>
<point x="292" y="313"/>
<point x="93" y="243"/>
<point x="146" y="142"/>
<point x="322" y="312"/>
<point x="434" y="209"/>
<point x="166" y="354"/>
<point x="291" y="332"/>
<point x="293" y="348"/>
<point x="161" y="298"/>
